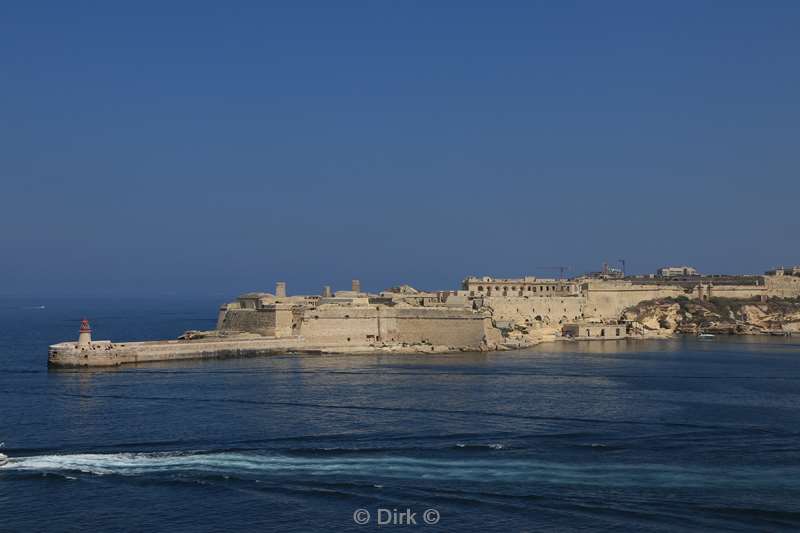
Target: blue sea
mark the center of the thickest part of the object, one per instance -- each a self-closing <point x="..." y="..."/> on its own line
<point x="679" y="435"/>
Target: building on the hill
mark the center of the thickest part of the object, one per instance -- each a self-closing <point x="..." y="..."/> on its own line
<point x="676" y="271"/>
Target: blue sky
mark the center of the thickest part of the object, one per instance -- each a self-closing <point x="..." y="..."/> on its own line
<point x="213" y="147"/>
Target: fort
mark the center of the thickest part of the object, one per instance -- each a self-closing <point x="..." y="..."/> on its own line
<point x="486" y="313"/>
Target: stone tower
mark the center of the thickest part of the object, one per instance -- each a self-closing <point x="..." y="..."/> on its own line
<point x="280" y="289"/>
<point x="85" y="335"/>
<point x="356" y="285"/>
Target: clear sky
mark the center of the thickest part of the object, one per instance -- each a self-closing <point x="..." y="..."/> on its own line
<point x="213" y="147"/>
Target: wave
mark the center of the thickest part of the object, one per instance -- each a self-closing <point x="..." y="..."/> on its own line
<point x="491" y="446"/>
<point x="259" y="465"/>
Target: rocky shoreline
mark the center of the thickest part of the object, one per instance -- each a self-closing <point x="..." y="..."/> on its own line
<point x="670" y="316"/>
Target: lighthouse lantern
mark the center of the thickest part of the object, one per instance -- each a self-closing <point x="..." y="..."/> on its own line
<point x="85" y="335"/>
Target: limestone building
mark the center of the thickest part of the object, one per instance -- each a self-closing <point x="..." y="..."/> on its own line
<point x="676" y="271"/>
<point x="526" y="286"/>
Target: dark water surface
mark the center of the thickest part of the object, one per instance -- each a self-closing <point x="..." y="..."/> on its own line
<point x="661" y="436"/>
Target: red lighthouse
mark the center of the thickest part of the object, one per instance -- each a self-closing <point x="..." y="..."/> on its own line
<point x="85" y="335"/>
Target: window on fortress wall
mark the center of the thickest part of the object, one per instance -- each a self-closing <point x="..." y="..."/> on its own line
<point x="602" y="333"/>
<point x="617" y="332"/>
<point x="480" y="288"/>
<point x="529" y="289"/>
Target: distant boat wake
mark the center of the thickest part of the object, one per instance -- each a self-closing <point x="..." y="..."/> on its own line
<point x="256" y="465"/>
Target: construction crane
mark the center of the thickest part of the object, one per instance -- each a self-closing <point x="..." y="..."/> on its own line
<point x="561" y="270"/>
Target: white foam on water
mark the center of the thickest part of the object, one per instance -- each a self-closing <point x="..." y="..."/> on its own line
<point x="249" y="465"/>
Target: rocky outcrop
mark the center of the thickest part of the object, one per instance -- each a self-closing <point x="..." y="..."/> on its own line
<point x="737" y="317"/>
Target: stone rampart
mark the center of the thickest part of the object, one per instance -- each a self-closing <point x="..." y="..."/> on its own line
<point x="341" y="325"/>
<point x="261" y="321"/>
<point x="435" y="326"/>
<point x="533" y="309"/>
<point x="783" y="286"/>
<point x="607" y="299"/>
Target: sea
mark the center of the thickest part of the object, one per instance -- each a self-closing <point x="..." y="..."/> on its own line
<point x="667" y="435"/>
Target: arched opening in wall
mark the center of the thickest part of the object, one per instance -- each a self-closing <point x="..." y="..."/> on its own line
<point x="588" y="333"/>
<point x="480" y="288"/>
<point x="538" y="318"/>
<point x="602" y="332"/>
<point x="348" y="339"/>
<point x="617" y="332"/>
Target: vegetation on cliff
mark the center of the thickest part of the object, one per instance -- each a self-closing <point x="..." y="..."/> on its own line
<point x="719" y="315"/>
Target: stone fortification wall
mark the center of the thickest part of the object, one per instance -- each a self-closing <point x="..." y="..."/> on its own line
<point x="783" y="286"/>
<point x="735" y="291"/>
<point x="343" y="325"/>
<point x="249" y="320"/>
<point x="223" y="311"/>
<point x="606" y="300"/>
<point x="530" y="310"/>
<point x="340" y="325"/>
<point x="440" y="326"/>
